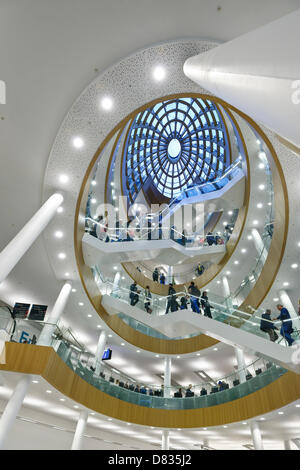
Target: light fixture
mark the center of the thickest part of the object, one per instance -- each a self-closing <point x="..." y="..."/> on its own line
<point x="249" y="237"/>
<point x="99" y="326"/>
<point x="275" y="299"/>
<point x="61" y="256"/>
<point x="258" y="141"/>
<point x="261" y="187"/>
<point x="198" y="354"/>
<point x="230" y="212"/>
<point x="94" y="183"/>
<point x="106" y="103"/>
<point x="62" y="399"/>
<point x="63" y="179"/>
<point x="89" y="315"/>
<point x="262" y="155"/>
<point x="215" y="349"/>
<point x="159" y="73"/>
<point x="59" y="210"/>
<point x="285" y="283"/>
<point x="110" y="336"/>
<point x="81" y="304"/>
<point x="109" y="419"/>
<point x="255" y="222"/>
<point x="218" y="282"/>
<point x="236" y="262"/>
<point x="48" y="391"/>
<point x="259" y="205"/>
<point x="58" y="234"/>
<point x="93" y="200"/>
<point x="228" y="273"/>
<point x="294" y="266"/>
<point x="243" y="250"/>
<point x="178" y="357"/>
<point x="35" y="381"/>
<point x="225" y="223"/>
<point x="67" y="274"/>
<point x="78" y="142"/>
<point x="75" y="406"/>
<point x="261" y="166"/>
<point x="262" y="419"/>
<point x="115" y="268"/>
<point x="156" y="355"/>
<point x="280" y="412"/>
<point x="74" y="290"/>
<point x="122" y="344"/>
<point x="138" y="351"/>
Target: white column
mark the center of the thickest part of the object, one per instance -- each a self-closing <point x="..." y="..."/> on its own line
<point x="287" y="445"/>
<point x="13" y="407"/>
<point x="259" y="244"/>
<point x="287" y="303"/>
<point x="116" y="281"/>
<point x="99" y="352"/>
<point x="57" y="311"/>
<point x="205" y="443"/>
<point x="167" y="377"/>
<point x="246" y="73"/>
<point x="80" y="428"/>
<point x="165" y="440"/>
<point x="239" y="354"/>
<point x="226" y="291"/>
<point x="256" y="436"/>
<point x="170" y="275"/>
<point x="18" y="246"/>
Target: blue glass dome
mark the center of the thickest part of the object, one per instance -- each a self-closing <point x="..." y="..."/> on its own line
<point x="176" y="143"/>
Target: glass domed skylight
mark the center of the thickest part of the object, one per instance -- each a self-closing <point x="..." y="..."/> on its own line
<point x="176" y="143"/>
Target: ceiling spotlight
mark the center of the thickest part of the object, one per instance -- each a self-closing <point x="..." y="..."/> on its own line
<point x="90" y="316"/>
<point x="261" y="166"/>
<point x="35" y="381"/>
<point x="48" y="391"/>
<point x="138" y="351"/>
<point x="255" y="222"/>
<point x="156" y="355"/>
<point x="262" y="419"/>
<point x="285" y="283"/>
<point x="243" y="250"/>
<point x="78" y="142"/>
<point x="74" y="290"/>
<point x="122" y="344"/>
<point x="236" y="262"/>
<point x="259" y="205"/>
<point x="67" y="274"/>
<point x="106" y="103"/>
<point x="159" y="73"/>
<point x="110" y="336"/>
<point x="63" y="179"/>
<point x="275" y="299"/>
<point x="230" y="212"/>
<point x="294" y="266"/>
<point x="62" y="399"/>
<point x="94" y="183"/>
<point x="99" y="326"/>
<point x="61" y="255"/>
<point x="262" y="155"/>
<point x="58" y="234"/>
<point x="228" y="273"/>
<point x="261" y="187"/>
<point x="249" y="237"/>
<point x="225" y="223"/>
<point x="75" y="406"/>
<point x="59" y="210"/>
<point x="280" y="412"/>
<point x="257" y="141"/>
<point x="218" y="282"/>
<point x="215" y="349"/>
<point x="81" y="304"/>
<point x="178" y="357"/>
<point x="93" y="200"/>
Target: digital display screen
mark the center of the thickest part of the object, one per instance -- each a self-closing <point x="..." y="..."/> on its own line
<point x="20" y="310"/>
<point x="38" y="312"/>
<point x="106" y="355"/>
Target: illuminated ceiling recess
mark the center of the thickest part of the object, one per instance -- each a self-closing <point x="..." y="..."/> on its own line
<point x="176" y="143"/>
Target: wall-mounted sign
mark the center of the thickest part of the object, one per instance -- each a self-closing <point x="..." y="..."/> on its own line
<point x="107" y="354"/>
<point x="20" y="310"/>
<point x="37" y="312"/>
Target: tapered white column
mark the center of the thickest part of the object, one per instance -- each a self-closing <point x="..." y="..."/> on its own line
<point x="18" y="246"/>
<point x="13" y="407"/>
<point x="170" y="275"/>
<point x="246" y="73"/>
<point x="205" y="443"/>
<point x="99" y="352"/>
<point x="287" y="445"/>
<point x="259" y="244"/>
<point x="226" y="291"/>
<point x="165" y="440"/>
<point x="57" y="311"/>
<point x="287" y="303"/>
<point x="116" y="282"/>
<point x="256" y="436"/>
<point x="167" y="377"/>
<point x="240" y="358"/>
<point x="80" y="428"/>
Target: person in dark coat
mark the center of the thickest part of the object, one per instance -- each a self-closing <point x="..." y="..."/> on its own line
<point x="267" y="326"/>
<point x="287" y="325"/>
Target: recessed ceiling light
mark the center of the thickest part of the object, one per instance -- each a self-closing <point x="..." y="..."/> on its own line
<point x="107" y="103"/>
<point x="138" y="351"/>
<point x="261" y="166"/>
<point x="198" y="354"/>
<point x="178" y="357"/>
<point x="63" y="179"/>
<point x="58" y="234"/>
<point x="261" y="187"/>
<point x="94" y="183"/>
<point x="109" y="419"/>
<point x="110" y="336"/>
<point x="280" y="412"/>
<point x="285" y="283"/>
<point x="75" y="406"/>
<point x="228" y="273"/>
<point x="215" y="349"/>
<point x="156" y="355"/>
<point x="294" y="266"/>
<point x="225" y="427"/>
<point x="128" y="424"/>
<point x="244" y="423"/>
<point x="81" y="304"/>
<point x="243" y="250"/>
<point x="122" y="344"/>
<point x="62" y="255"/>
<point x="74" y="290"/>
<point x="93" y="200"/>
<point x="298" y="243"/>
<point x="62" y="399"/>
<point x="59" y="210"/>
<point x="159" y="73"/>
<point x="230" y="212"/>
<point x="67" y="274"/>
<point x="115" y="268"/>
<point x="218" y="282"/>
<point x="259" y="205"/>
<point x="262" y="154"/>
<point x="236" y="262"/>
<point x="249" y="237"/>
<point x="78" y="142"/>
<point x="35" y="381"/>
<point x="99" y="326"/>
<point x="225" y="223"/>
<point x="275" y="299"/>
<point x="262" y="419"/>
<point x="90" y="316"/>
<point x="297" y="406"/>
<point x="48" y="391"/>
<point x="258" y="141"/>
<point x="255" y="222"/>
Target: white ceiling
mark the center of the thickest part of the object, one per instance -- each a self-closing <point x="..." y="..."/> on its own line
<point x="50" y="51"/>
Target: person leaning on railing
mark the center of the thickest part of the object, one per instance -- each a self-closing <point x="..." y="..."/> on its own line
<point x="267" y="326"/>
<point x="287" y="325"/>
<point x="195" y="294"/>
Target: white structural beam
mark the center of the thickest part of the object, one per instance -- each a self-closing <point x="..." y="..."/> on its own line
<point x="18" y="246"/>
<point x="259" y="73"/>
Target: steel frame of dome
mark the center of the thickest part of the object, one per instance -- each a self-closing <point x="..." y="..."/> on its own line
<point x="198" y="126"/>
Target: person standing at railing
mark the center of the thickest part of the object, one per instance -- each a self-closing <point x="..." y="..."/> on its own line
<point x="171" y="303"/>
<point x="206" y="305"/>
<point x="195" y="294"/>
<point x="155" y="275"/>
<point x="210" y="239"/>
<point x="287" y="324"/>
<point x="267" y="326"/>
<point x="162" y="278"/>
<point x="133" y="295"/>
<point x="184" y="303"/>
<point x="148" y="298"/>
